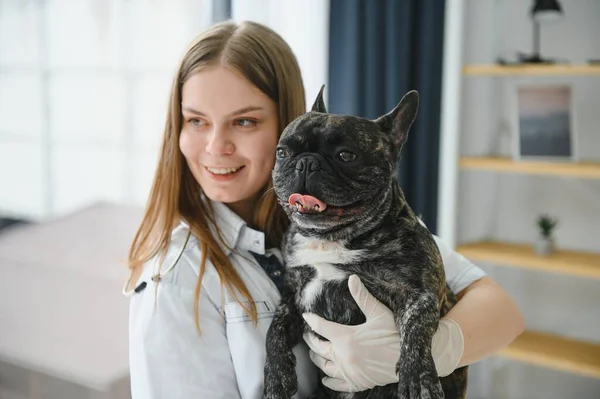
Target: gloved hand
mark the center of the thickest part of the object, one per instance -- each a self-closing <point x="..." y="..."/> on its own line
<point x="360" y="357"/>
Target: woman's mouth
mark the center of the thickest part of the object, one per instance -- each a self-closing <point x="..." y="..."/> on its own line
<point x="222" y="174"/>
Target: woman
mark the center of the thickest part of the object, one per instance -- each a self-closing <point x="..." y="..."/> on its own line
<point x="204" y="262"/>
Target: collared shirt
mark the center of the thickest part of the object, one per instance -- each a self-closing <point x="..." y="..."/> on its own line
<point x="170" y="360"/>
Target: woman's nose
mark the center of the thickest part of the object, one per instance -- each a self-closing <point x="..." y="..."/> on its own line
<point x="219" y="142"/>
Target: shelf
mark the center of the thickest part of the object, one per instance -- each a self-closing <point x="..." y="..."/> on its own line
<point x="586" y="170"/>
<point x="555" y="352"/>
<point x="531" y="69"/>
<point x="574" y="263"/>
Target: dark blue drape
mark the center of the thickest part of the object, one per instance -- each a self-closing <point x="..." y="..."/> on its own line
<point x="378" y="51"/>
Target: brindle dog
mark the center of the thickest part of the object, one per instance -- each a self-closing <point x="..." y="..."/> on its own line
<point x="335" y="177"/>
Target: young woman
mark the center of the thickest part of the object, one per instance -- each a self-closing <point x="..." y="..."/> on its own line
<point x="205" y="265"/>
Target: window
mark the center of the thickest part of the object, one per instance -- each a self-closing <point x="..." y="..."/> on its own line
<point x="83" y="92"/>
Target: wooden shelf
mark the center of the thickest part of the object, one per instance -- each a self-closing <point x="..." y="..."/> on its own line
<point x="532" y="69"/>
<point x="574" y="263"/>
<point x="555" y="352"/>
<point x="586" y="170"/>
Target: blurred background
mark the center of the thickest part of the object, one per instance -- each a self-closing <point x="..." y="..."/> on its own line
<point x="83" y="91"/>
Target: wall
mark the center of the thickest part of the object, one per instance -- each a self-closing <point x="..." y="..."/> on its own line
<point x="505" y="206"/>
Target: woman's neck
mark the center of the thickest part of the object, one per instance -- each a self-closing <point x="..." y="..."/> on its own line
<point x="244" y="209"/>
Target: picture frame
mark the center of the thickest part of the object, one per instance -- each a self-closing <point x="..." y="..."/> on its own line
<point x="545" y="123"/>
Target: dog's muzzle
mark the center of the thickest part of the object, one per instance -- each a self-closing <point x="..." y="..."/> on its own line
<point x="308" y="163"/>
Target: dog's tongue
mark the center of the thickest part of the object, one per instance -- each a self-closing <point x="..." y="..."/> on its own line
<point x="307" y="201"/>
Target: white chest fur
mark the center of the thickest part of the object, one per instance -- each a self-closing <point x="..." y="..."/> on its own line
<point x="326" y="257"/>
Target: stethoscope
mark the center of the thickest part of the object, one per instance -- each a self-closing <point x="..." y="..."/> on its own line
<point x="156" y="277"/>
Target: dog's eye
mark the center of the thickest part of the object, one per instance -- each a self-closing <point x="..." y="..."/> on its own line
<point x="347" y="156"/>
<point x="282" y="153"/>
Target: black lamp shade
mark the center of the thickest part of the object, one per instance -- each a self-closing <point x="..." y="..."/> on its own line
<point x="546" y="11"/>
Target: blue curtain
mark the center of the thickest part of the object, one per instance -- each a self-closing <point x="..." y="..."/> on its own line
<point x="378" y="51"/>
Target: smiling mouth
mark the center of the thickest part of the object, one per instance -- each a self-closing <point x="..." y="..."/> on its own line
<point x="224" y="171"/>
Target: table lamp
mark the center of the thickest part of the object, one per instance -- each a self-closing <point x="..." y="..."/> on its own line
<point x="542" y="12"/>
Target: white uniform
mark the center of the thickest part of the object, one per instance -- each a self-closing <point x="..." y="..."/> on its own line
<point x="169" y="360"/>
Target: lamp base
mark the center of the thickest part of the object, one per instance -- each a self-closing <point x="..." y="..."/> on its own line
<point x="534" y="59"/>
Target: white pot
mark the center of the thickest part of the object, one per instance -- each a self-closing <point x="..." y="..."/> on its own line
<point x="544" y="246"/>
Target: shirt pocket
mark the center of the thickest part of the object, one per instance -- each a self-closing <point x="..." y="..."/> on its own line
<point x="235" y="312"/>
<point x="247" y="344"/>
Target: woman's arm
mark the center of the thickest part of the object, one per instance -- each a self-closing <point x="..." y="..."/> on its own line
<point x="360" y="357"/>
<point x="485" y="320"/>
<point x="488" y="318"/>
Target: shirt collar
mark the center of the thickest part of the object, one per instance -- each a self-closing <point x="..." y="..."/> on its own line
<point x="235" y="231"/>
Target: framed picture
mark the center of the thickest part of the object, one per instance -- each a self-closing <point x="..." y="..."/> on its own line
<point x="545" y="123"/>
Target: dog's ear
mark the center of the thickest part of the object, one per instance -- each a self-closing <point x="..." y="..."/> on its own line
<point x="398" y="121"/>
<point x="319" y="104"/>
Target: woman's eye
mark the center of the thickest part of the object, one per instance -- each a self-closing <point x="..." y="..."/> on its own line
<point x="197" y="122"/>
<point x="346" y="156"/>
<point x="282" y="153"/>
<point x="245" y="122"/>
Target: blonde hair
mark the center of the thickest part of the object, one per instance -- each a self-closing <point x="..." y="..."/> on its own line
<point x="266" y="60"/>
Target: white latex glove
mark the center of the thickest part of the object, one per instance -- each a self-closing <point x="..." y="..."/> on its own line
<point x="360" y="357"/>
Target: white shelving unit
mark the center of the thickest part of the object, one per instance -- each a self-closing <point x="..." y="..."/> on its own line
<point x="542" y="349"/>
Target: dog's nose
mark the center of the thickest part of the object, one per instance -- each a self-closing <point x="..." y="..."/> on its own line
<point x="310" y="164"/>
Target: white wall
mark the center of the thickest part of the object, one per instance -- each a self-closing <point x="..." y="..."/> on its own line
<point x="505" y="206"/>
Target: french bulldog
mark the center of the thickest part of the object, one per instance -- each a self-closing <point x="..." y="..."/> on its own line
<point x="335" y="178"/>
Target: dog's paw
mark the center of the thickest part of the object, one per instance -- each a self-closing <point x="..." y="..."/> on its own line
<point x="418" y="379"/>
<point x="280" y="380"/>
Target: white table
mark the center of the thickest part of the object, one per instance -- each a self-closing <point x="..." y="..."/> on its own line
<point x="62" y="314"/>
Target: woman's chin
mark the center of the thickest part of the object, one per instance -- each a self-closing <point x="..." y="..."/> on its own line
<point x="230" y="197"/>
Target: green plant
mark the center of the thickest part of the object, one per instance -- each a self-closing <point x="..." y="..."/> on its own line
<point x="546" y="225"/>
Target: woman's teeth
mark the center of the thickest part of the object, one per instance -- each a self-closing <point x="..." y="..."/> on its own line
<point x="223" y="171"/>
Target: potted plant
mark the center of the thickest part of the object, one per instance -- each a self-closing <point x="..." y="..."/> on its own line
<point x="545" y="242"/>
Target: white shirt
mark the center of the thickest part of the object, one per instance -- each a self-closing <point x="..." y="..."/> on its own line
<point x="170" y="360"/>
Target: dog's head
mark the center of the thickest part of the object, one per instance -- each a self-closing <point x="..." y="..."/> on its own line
<point x="332" y="171"/>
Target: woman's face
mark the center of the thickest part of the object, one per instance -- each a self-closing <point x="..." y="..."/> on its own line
<point x="228" y="137"/>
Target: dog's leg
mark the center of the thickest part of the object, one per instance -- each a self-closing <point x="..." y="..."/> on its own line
<point x="417" y="317"/>
<point x="284" y="333"/>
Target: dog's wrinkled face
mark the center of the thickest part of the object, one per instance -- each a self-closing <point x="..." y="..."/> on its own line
<point x="331" y="168"/>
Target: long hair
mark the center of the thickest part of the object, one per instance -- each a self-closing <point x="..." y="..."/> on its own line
<point x="266" y="60"/>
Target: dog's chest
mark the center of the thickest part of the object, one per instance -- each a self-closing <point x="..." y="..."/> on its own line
<point x="329" y="259"/>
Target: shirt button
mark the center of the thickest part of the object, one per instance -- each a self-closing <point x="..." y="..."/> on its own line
<point x="276" y="273"/>
<point x="256" y="243"/>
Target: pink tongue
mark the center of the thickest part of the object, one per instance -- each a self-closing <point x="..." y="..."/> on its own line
<point x="307" y="201"/>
